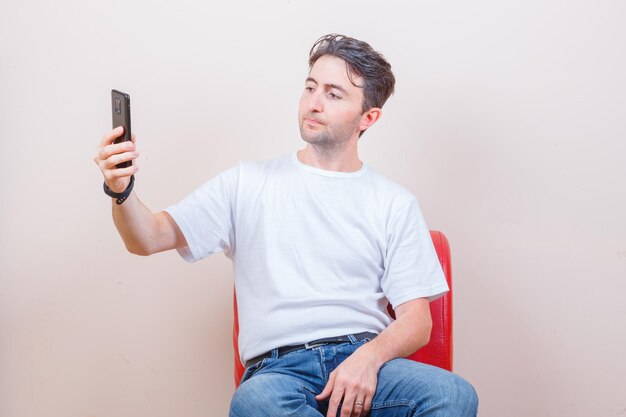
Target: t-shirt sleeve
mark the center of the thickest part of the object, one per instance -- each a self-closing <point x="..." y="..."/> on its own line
<point x="412" y="268"/>
<point x="205" y="217"/>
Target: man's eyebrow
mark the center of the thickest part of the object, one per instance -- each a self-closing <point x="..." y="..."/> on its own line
<point x="335" y="86"/>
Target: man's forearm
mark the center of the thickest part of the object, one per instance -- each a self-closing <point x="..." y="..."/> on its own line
<point x="408" y="333"/>
<point x="135" y="224"/>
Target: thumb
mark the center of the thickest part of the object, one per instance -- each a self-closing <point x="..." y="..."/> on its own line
<point x="328" y="389"/>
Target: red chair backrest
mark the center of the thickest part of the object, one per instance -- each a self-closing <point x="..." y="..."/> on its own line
<point x="437" y="352"/>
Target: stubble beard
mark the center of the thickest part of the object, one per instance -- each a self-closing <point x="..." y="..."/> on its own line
<point x="324" y="143"/>
<point x="327" y="143"/>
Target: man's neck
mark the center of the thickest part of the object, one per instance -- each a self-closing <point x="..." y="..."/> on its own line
<point x="344" y="160"/>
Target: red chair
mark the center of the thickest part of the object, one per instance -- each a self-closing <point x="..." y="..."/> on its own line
<point x="437" y="352"/>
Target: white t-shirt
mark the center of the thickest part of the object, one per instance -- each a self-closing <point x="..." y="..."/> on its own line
<point x="315" y="253"/>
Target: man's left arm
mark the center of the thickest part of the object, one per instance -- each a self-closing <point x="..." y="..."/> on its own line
<point x="353" y="383"/>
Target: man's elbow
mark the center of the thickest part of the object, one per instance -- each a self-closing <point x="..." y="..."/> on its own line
<point x="423" y="336"/>
<point x="425" y="339"/>
<point x="139" y="250"/>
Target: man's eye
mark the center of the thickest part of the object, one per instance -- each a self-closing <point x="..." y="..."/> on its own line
<point x="334" y="96"/>
<point x="309" y="89"/>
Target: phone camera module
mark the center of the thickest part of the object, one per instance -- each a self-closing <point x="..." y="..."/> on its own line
<point x="118" y="106"/>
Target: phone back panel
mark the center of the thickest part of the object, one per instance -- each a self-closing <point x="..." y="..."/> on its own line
<point x="120" y="107"/>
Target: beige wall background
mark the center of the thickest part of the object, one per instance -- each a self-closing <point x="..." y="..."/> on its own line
<point x="508" y="124"/>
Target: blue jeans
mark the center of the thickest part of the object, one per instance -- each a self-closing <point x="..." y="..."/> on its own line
<point x="287" y="386"/>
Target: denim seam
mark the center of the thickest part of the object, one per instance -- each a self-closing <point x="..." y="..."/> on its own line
<point x="323" y="364"/>
<point x="403" y="403"/>
<point x="308" y="388"/>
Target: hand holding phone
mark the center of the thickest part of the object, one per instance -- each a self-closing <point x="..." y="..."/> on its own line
<point x="116" y="150"/>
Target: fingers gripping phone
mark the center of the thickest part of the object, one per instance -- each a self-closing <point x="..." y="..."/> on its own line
<point x="120" y="106"/>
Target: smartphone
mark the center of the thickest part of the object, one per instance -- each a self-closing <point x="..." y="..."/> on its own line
<point x="120" y="106"/>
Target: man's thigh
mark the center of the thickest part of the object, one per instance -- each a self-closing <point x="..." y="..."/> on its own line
<point x="409" y="388"/>
<point x="274" y="394"/>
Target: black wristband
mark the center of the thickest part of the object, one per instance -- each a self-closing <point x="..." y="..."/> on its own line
<point x="121" y="197"/>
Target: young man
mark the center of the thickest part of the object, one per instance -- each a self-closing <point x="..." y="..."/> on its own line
<point x="320" y="244"/>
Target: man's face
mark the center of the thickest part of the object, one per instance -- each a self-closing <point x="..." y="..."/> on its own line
<point x="331" y="106"/>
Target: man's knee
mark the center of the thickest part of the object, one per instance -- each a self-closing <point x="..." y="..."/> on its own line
<point x="460" y="397"/>
<point x="451" y="395"/>
<point x="263" y="395"/>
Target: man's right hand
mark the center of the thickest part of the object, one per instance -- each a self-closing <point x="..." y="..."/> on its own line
<point x="142" y="231"/>
<point x="110" y="154"/>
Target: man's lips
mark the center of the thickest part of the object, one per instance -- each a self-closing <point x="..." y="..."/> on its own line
<point x="312" y="122"/>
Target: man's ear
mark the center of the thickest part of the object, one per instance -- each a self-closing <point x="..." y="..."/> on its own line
<point x="370" y="117"/>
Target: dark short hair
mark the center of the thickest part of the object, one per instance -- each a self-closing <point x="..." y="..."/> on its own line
<point x="363" y="61"/>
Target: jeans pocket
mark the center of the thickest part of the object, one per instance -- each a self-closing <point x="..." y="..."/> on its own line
<point x="251" y="370"/>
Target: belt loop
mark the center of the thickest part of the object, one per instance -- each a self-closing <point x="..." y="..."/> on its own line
<point x="274" y="353"/>
<point x="352" y="338"/>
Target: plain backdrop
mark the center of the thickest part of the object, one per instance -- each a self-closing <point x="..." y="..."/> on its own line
<point x="508" y="124"/>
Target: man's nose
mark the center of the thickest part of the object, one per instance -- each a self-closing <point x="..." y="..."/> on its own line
<point x="315" y="102"/>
